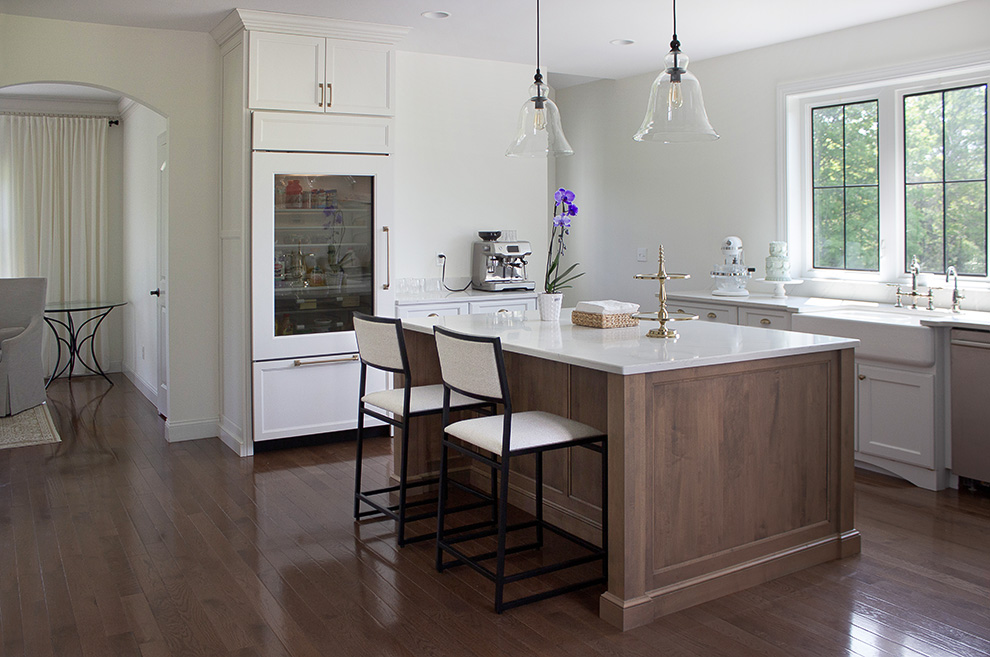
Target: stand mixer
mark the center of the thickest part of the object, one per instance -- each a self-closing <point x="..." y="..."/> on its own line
<point x="731" y="276"/>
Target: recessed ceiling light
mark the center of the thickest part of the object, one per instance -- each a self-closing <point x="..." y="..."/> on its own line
<point x="435" y="14"/>
<point x="622" y="42"/>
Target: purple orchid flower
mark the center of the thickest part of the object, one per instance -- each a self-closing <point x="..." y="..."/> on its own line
<point x="563" y="195"/>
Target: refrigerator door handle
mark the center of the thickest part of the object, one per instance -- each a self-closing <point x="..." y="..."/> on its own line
<point x="325" y="361"/>
<point x="388" y="259"/>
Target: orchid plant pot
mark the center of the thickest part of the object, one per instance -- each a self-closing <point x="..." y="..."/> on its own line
<point x="549" y="306"/>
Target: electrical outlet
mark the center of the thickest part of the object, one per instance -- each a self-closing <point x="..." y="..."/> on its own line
<point x="440" y="257"/>
<point x="641" y="255"/>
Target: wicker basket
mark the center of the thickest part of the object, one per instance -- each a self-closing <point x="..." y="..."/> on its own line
<point x="603" y="321"/>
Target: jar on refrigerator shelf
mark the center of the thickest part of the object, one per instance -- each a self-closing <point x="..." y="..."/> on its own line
<point x="293" y="194"/>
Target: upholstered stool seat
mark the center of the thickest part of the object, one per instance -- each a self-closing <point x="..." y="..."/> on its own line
<point x="422" y="399"/>
<point x="530" y="430"/>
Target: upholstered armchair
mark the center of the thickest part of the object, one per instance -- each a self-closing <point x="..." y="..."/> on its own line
<point x="22" y="321"/>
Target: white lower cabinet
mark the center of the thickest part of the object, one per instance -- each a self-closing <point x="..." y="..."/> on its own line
<point x="467" y="303"/>
<point x="896" y="417"/>
<point x="308" y="395"/>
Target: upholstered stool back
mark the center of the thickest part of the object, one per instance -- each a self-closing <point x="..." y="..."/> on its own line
<point x="380" y="342"/>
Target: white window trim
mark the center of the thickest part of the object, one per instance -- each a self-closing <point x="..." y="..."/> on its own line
<point x="888" y="86"/>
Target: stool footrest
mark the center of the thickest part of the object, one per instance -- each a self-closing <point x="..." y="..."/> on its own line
<point x="543" y="595"/>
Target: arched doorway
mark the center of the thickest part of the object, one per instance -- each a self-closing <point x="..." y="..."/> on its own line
<point x="134" y="339"/>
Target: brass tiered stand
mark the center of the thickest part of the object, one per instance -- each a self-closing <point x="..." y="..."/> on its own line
<point x="662" y="315"/>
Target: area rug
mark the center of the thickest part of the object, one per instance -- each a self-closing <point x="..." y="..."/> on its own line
<point x="31" y="427"/>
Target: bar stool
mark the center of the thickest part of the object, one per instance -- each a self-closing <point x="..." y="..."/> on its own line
<point x="381" y="345"/>
<point x="474" y="366"/>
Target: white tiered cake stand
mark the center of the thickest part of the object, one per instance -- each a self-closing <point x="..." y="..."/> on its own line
<point x="778" y="290"/>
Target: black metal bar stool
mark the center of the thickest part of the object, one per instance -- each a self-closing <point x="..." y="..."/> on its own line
<point x="474" y="366"/>
<point x="381" y="345"/>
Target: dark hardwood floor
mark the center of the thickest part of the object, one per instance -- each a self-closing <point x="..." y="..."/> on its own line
<point x="117" y="543"/>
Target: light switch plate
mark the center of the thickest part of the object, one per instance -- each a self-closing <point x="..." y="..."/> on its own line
<point x="641" y="255"/>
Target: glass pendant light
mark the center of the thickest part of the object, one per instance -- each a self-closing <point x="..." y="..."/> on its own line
<point x="676" y="111"/>
<point x="539" y="133"/>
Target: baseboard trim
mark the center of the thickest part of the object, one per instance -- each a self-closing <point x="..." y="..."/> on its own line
<point x="177" y="432"/>
<point x="233" y="437"/>
<point x="149" y="391"/>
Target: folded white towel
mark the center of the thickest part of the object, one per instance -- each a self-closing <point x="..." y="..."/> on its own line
<point x="607" y="307"/>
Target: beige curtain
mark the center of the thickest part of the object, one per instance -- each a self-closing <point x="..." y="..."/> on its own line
<point x="53" y="206"/>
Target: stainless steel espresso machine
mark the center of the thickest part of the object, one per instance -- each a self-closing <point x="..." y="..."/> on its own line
<point x="498" y="266"/>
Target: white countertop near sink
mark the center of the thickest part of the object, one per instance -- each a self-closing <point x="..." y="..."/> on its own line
<point x="628" y="350"/>
<point x="967" y="319"/>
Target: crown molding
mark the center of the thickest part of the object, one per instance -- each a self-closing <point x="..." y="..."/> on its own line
<point x="334" y="28"/>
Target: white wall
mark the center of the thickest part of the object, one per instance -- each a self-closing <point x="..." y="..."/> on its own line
<point x="140" y="127"/>
<point x="689" y="196"/>
<point x="454" y="119"/>
<point x="177" y="74"/>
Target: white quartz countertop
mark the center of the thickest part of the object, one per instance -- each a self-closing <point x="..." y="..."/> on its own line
<point x="765" y="301"/>
<point x="628" y="350"/>
<point x="412" y="298"/>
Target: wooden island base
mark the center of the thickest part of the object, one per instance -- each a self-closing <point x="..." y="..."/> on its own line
<point x="721" y="477"/>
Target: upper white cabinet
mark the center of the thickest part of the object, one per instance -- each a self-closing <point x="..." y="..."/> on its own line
<point x="315" y="74"/>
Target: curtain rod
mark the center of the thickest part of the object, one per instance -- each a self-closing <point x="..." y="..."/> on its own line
<point x="111" y="120"/>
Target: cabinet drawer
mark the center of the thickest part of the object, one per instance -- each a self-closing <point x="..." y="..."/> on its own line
<point x="317" y="395"/>
<point x="431" y="310"/>
<point x="765" y="319"/>
<point x="705" y="312"/>
<point x="494" y="306"/>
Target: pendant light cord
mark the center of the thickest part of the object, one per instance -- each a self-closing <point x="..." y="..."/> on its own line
<point x="674" y="43"/>
<point x="537" y="35"/>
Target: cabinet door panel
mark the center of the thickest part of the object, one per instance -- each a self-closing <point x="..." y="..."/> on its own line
<point x="970" y="411"/>
<point x="897" y="415"/>
<point x="285" y="71"/>
<point x="359" y="77"/>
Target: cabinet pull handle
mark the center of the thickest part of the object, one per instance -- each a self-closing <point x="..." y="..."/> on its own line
<point x="388" y="258"/>
<point x="710" y="315"/>
<point x="325" y="361"/>
<point x="329" y="94"/>
<point x="322" y="95"/>
<point x="862" y="377"/>
<point x="433" y="315"/>
<point x="765" y="321"/>
<point x="971" y="343"/>
<point x="502" y="310"/>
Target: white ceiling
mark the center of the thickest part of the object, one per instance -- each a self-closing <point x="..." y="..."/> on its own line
<point x="575" y="33"/>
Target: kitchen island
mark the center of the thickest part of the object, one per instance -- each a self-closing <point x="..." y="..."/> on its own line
<point x="730" y="449"/>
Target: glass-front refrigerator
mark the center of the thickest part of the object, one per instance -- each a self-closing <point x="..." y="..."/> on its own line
<point x="320" y="251"/>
